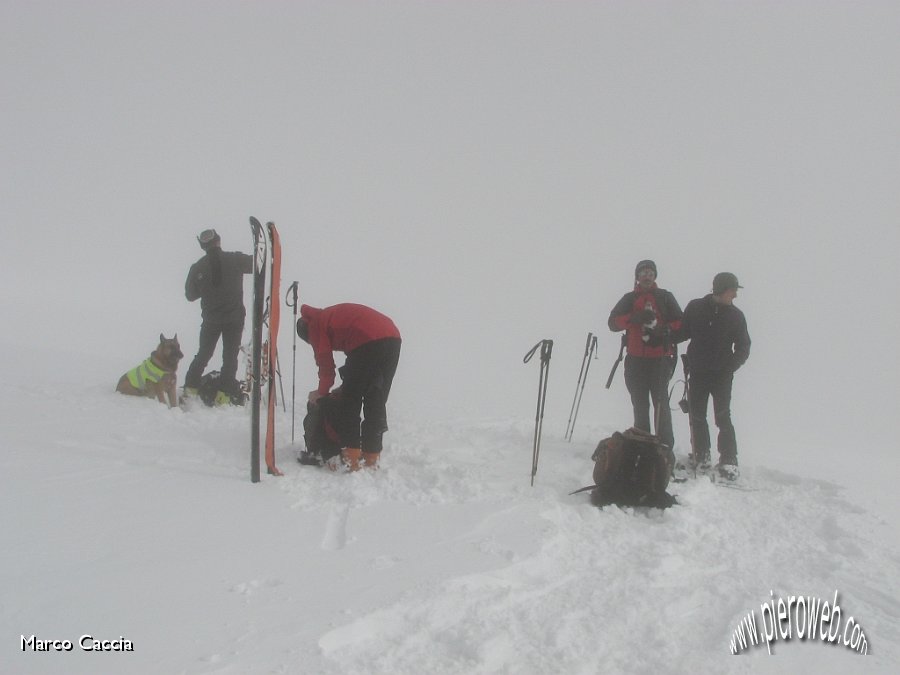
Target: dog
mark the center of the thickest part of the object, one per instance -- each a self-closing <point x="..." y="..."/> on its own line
<point x="155" y="376"/>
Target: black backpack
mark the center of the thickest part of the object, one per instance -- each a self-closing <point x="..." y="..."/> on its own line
<point x="319" y="435"/>
<point x="631" y="468"/>
<point x="209" y="387"/>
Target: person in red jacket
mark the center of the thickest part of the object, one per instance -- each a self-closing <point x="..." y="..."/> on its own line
<point x="371" y="342"/>
<point x="647" y="315"/>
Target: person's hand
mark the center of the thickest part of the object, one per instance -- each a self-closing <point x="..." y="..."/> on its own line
<point x="314" y="396"/>
<point x="642" y="316"/>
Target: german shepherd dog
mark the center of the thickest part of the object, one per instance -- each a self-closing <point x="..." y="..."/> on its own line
<point x="156" y="375"/>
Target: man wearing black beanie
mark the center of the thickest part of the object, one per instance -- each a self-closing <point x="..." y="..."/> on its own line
<point x="216" y="280"/>
<point x="648" y="314"/>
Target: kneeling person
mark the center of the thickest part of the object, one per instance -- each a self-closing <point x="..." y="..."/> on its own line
<point x="371" y="343"/>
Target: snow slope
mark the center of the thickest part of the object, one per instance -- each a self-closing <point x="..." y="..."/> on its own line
<point x="124" y="518"/>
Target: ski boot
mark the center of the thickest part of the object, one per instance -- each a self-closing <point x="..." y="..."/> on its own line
<point x="188" y="396"/>
<point x="679" y="472"/>
<point x="727" y="472"/>
<point x="700" y="464"/>
<point x="348" y="460"/>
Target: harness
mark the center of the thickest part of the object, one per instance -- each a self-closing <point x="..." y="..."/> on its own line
<point x="147" y="372"/>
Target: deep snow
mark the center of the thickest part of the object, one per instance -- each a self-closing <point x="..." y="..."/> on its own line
<point x="125" y="518"/>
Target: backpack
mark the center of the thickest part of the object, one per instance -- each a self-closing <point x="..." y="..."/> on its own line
<point x="631" y="468"/>
<point x="319" y="435"/>
<point x="209" y="387"/>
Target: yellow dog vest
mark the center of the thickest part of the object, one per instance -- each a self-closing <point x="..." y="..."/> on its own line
<point x="144" y="373"/>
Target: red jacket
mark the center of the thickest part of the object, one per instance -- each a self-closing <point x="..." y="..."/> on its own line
<point x="663" y="304"/>
<point x="342" y="328"/>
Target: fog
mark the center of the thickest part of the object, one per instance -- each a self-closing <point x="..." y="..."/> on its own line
<point x="486" y="173"/>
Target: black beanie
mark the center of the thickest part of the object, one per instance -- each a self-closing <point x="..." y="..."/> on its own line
<point x="209" y="239"/>
<point x="645" y="263"/>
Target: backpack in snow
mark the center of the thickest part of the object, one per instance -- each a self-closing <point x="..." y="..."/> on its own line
<point x="319" y="433"/>
<point x="209" y="388"/>
<point x="631" y="468"/>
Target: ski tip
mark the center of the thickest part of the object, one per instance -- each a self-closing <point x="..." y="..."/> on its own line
<point x="254" y="221"/>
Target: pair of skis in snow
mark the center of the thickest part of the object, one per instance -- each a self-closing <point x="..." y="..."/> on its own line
<point x="264" y="354"/>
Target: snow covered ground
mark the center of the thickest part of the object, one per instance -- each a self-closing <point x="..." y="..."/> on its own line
<point x="126" y="519"/>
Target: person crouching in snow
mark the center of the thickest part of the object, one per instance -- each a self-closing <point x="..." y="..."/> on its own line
<point x="371" y="343"/>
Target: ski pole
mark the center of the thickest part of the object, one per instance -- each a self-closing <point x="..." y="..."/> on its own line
<point x="612" y="373"/>
<point x="280" y="384"/>
<point x="546" y="347"/>
<point x="662" y="392"/>
<point x="292" y="293"/>
<point x="589" y="349"/>
<point x="685" y="405"/>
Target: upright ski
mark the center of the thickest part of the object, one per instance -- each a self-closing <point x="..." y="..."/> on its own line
<point x="259" y="278"/>
<point x="272" y="355"/>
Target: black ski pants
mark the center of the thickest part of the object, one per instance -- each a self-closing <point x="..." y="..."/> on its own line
<point x="718" y="385"/>
<point x="366" y="377"/>
<point x="231" y="345"/>
<point x="648" y="379"/>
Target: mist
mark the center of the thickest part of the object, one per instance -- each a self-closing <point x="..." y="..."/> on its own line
<point x="487" y="174"/>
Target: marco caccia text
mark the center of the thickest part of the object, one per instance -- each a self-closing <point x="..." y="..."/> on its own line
<point x="87" y="643"/>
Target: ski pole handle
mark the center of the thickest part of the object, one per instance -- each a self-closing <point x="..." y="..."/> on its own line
<point x="292" y="292"/>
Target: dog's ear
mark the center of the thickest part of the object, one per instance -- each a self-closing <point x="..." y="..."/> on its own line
<point x="162" y="338"/>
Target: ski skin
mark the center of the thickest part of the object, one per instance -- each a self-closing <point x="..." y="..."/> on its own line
<point x="274" y="322"/>
<point x="259" y="272"/>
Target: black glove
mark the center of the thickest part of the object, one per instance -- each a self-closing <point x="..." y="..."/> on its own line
<point x="642" y="316"/>
<point x="659" y="334"/>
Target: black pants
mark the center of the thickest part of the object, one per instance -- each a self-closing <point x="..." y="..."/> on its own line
<point x="367" y="376"/>
<point x="648" y="379"/>
<point x="231" y="345"/>
<point x="717" y="385"/>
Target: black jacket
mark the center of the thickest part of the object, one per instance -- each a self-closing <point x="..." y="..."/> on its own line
<point x="218" y="280"/>
<point x="718" y="335"/>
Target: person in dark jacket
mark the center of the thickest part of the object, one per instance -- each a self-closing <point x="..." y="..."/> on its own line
<point x="720" y="344"/>
<point x="371" y="342"/>
<point x="648" y="314"/>
<point x="217" y="280"/>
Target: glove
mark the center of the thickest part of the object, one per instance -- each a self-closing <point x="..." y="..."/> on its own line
<point x="658" y="335"/>
<point x="642" y="316"/>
